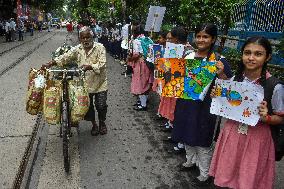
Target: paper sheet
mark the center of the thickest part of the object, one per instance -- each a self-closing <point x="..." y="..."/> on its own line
<point x="237" y="101"/>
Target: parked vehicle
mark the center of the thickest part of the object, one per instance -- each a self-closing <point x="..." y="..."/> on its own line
<point x="55" y="22"/>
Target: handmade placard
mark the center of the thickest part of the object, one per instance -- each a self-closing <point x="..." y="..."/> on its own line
<point x="170" y="74"/>
<point x="158" y="51"/>
<point x="155" y="18"/>
<point x="238" y="101"/>
<point x="174" y="79"/>
<point x="150" y="54"/>
<point x="198" y="77"/>
<point x="173" y="50"/>
<point x="162" y="68"/>
<point x="155" y="51"/>
<point x="185" y="78"/>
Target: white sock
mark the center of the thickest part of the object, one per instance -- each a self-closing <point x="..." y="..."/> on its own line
<point x="180" y="145"/>
<point x="187" y="164"/>
<point x="143" y="100"/>
<point x="170" y="124"/>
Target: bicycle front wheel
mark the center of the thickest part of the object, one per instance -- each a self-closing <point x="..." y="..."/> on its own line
<point x="65" y="136"/>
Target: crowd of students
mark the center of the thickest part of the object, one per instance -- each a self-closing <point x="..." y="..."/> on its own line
<point x="216" y="147"/>
<point x="224" y="152"/>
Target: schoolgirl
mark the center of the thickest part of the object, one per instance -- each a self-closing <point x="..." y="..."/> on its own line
<point x="193" y="123"/>
<point x="244" y="156"/>
<point x="178" y="35"/>
<point x="142" y="77"/>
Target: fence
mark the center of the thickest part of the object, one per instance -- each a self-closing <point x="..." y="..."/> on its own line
<point x="236" y="39"/>
<point x="259" y="15"/>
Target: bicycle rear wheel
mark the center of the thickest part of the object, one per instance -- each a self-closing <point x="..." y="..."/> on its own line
<point x="65" y="136"/>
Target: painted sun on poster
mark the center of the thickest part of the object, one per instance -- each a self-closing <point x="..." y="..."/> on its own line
<point x="237" y="101"/>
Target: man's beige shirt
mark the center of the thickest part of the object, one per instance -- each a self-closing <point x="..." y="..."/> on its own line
<point x="97" y="78"/>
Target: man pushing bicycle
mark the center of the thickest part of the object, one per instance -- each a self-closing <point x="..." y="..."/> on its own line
<point x="91" y="56"/>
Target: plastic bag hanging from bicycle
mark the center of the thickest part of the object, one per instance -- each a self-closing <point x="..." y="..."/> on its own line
<point x="52" y="101"/>
<point x="79" y="99"/>
<point x="34" y="98"/>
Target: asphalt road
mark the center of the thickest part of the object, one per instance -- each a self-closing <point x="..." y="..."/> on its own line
<point x="131" y="155"/>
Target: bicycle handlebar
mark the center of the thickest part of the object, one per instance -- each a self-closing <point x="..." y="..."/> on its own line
<point x="72" y="70"/>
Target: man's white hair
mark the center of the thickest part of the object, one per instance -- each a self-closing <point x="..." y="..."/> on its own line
<point x="84" y="29"/>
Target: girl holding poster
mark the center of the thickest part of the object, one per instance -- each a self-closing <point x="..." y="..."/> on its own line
<point x="177" y="35"/>
<point x="244" y="156"/>
<point x="142" y="77"/>
<point x="193" y="123"/>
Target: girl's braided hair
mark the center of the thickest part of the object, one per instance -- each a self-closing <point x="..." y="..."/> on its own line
<point x="259" y="40"/>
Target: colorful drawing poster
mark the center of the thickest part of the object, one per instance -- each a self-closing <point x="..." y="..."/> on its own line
<point x="174" y="82"/>
<point x="150" y="55"/>
<point x="155" y="51"/>
<point x="162" y="68"/>
<point x="173" y="50"/>
<point x="163" y="65"/>
<point x="199" y="75"/>
<point x="158" y="51"/>
<point x="237" y="101"/>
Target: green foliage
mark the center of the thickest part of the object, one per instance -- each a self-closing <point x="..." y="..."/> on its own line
<point x="192" y="12"/>
<point x="50" y="6"/>
<point x="280" y="47"/>
<point x="233" y="56"/>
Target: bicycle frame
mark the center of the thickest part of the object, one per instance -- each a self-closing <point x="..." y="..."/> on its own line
<point x="65" y="126"/>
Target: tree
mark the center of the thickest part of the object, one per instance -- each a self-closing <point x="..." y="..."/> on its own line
<point x="218" y="12"/>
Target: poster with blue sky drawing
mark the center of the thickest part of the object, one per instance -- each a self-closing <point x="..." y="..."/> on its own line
<point x="173" y="50"/>
<point x="155" y="51"/>
<point x="237" y="101"/>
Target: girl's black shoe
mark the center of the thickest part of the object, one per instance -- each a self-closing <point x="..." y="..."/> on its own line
<point x="202" y="184"/>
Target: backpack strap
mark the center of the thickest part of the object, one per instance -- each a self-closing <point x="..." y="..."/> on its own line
<point x="277" y="131"/>
<point x="217" y="56"/>
<point x="269" y="86"/>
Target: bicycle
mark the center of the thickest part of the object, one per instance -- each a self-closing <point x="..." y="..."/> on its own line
<point x="65" y="127"/>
